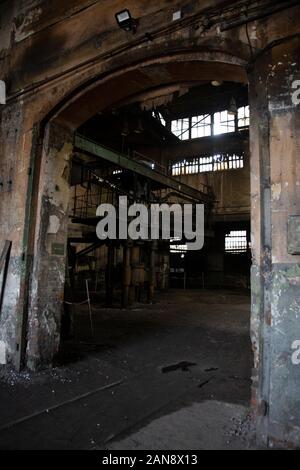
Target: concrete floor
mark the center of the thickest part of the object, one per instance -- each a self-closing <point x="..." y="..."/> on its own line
<point x="171" y="375"/>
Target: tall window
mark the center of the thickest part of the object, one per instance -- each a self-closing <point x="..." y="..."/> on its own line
<point x="181" y="128"/>
<point x="224" y="123"/>
<point x="236" y="241"/>
<point x="178" y="168"/>
<point x="206" y="164"/>
<point x="243" y="117"/>
<point x="201" y="126"/>
<point x="192" y="166"/>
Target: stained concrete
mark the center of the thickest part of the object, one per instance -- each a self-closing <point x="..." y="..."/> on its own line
<point x="194" y="427"/>
<point x="101" y="66"/>
<point x="204" y="404"/>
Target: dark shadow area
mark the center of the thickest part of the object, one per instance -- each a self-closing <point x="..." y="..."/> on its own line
<point x="116" y="384"/>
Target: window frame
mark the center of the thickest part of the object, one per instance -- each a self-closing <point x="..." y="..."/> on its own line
<point x="189" y="130"/>
<point x="208" y="164"/>
<point x="239" y="242"/>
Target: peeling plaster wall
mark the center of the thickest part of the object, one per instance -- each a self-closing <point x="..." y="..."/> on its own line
<point x="19" y="157"/>
<point x="284" y="400"/>
<point x="230" y="187"/>
<point x="48" y="274"/>
<point x="275" y="170"/>
<point x="48" y="52"/>
<point x="15" y="141"/>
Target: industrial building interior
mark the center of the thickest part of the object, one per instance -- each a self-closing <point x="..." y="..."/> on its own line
<point x="140" y="306"/>
<point x="124" y="343"/>
<point x="176" y="146"/>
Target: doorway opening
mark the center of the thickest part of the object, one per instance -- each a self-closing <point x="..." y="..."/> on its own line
<point x="176" y="322"/>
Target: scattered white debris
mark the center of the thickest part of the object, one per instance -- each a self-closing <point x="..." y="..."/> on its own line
<point x="242" y="428"/>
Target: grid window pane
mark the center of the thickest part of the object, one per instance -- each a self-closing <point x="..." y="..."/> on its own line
<point x="217" y="162"/>
<point x="181" y="128"/>
<point x="223" y="123"/>
<point x="236" y="241"/>
<point x="243" y="116"/>
<point x="205" y="125"/>
<point x="205" y="164"/>
<point x="201" y="126"/>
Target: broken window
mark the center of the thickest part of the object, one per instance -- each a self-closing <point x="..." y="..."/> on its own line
<point x="159" y="116"/>
<point x="243" y="117"/>
<point x="181" y="128"/>
<point x="227" y="162"/>
<point x="236" y="241"/>
<point x="206" y="125"/>
<point x="217" y="162"/>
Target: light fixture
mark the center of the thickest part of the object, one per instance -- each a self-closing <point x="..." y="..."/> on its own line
<point x="216" y="83"/>
<point x="125" y="21"/>
<point x="232" y="110"/>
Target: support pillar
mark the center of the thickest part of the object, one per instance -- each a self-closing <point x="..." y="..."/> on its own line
<point x="275" y="193"/>
<point x="50" y="249"/>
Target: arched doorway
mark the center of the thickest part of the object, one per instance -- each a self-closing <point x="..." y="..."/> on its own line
<point x="56" y="105"/>
<point x="57" y="133"/>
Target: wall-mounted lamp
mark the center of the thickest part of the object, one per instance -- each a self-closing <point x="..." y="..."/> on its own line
<point x="216" y="83"/>
<point x="125" y="21"/>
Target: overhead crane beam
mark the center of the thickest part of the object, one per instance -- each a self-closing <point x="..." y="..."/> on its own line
<point x="125" y="162"/>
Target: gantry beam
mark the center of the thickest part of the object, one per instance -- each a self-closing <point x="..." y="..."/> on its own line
<point x="85" y="145"/>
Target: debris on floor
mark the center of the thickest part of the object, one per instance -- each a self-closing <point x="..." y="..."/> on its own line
<point x="183" y="365"/>
<point x="72" y="406"/>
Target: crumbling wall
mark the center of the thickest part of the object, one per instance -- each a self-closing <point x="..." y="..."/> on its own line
<point x="47" y="59"/>
<point x="39" y="85"/>
<point x="49" y="267"/>
<point x="231" y="188"/>
<point x="275" y="174"/>
<point x="14" y="137"/>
